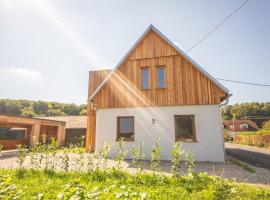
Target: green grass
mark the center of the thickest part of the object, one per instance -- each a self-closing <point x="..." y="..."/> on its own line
<point x="112" y="184"/>
<point x="260" y="132"/>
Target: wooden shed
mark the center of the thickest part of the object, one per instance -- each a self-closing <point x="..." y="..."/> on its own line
<point x="34" y="130"/>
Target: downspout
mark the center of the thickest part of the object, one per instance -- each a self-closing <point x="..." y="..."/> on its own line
<point x="222" y="129"/>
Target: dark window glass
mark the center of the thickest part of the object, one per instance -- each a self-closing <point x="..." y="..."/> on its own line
<point x="161" y="77"/>
<point x="184" y="127"/>
<point x="125" y="128"/>
<point x="145" y="78"/>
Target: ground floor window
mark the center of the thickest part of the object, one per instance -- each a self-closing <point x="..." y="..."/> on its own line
<point x="125" y="128"/>
<point x="185" y="128"/>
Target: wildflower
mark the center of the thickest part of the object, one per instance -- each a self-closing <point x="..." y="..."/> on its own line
<point x="123" y="187"/>
<point x="60" y="196"/>
<point x="118" y="195"/>
<point x="40" y="196"/>
<point x="143" y="195"/>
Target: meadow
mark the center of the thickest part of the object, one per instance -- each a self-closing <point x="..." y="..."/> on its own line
<point x="49" y="175"/>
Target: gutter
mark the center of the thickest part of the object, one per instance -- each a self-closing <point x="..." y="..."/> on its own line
<point x="222" y="129"/>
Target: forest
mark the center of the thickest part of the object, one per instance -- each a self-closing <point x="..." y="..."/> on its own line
<point x="28" y="108"/>
<point x="258" y="112"/>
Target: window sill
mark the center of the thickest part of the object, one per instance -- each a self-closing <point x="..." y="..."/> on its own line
<point x="126" y="140"/>
<point x="186" y="140"/>
<point x="161" y="88"/>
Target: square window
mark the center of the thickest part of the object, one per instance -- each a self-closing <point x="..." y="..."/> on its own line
<point x="185" y="128"/>
<point x="160" y="77"/>
<point x="125" y="128"/>
<point x="145" y="78"/>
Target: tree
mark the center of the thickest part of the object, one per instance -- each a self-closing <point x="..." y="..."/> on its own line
<point x="27" y="112"/>
<point x="83" y="112"/>
<point x="266" y="125"/>
<point x="40" y="107"/>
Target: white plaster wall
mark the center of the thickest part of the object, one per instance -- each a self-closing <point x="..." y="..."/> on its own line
<point x="209" y="145"/>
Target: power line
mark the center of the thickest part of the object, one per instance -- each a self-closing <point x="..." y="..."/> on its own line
<point x="247" y="83"/>
<point x="217" y="26"/>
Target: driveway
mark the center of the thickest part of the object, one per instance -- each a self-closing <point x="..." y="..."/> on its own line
<point x="253" y="155"/>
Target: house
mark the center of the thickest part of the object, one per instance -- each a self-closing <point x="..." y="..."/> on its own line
<point x="75" y="127"/>
<point x="156" y="91"/>
<point x="15" y="130"/>
<point x="239" y="125"/>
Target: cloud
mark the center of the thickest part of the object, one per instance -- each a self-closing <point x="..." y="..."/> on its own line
<point x="24" y="73"/>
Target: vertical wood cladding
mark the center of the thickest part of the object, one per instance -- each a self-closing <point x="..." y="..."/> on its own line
<point x="185" y="84"/>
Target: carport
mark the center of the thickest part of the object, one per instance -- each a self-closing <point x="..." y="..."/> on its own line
<point x="35" y="130"/>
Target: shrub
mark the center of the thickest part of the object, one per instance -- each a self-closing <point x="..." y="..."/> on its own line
<point x="137" y="157"/>
<point x="155" y="156"/>
<point x="177" y="155"/>
<point x="21" y="155"/>
<point x="104" y="153"/>
<point x="121" y="153"/>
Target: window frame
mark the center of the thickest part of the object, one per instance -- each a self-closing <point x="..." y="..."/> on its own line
<point x="118" y="129"/>
<point x="165" y="78"/>
<point x="148" y="77"/>
<point x="194" y="136"/>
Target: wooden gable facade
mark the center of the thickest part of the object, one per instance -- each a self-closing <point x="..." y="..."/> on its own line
<point x="185" y="84"/>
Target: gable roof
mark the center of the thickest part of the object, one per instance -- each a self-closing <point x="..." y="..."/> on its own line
<point x="153" y="28"/>
<point x="71" y="121"/>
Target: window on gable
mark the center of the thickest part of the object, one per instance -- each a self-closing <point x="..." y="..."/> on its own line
<point x="160" y="77"/>
<point x="125" y="128"/>
<point x="145" y="78"/>
<point x="185" y="128"/>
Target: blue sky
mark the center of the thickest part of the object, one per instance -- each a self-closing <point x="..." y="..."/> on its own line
<point x="48" y="47"/>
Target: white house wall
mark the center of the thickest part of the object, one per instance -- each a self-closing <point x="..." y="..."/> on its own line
<point x="209" y="145"/>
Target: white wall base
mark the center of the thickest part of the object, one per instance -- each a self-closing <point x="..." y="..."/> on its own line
<point x="209" y="145"/>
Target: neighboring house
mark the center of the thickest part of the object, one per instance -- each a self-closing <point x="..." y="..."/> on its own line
<point x="156" y="91"/>
<point x="15" y="130"/>
<point x="75" y="127"/>
<point x="239" y="125"/>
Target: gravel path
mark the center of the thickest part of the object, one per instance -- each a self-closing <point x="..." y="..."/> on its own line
<point x="225" y="170"/>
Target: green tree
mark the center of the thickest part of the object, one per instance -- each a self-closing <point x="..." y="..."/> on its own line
<point x="27" y="112"/>
<point x="266" y="125"/>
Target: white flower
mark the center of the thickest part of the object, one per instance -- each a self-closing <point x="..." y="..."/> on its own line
<point x="143" y="195"/>
<point x="60" y="196"/>
<point x="123" y="187"/>
<point x="233" y="190"/>
<point x="118" y="195"/>
<point x="134" y="194"/>
<point x="40" y="196"/>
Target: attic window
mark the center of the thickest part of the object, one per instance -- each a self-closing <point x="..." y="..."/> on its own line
<point x="145" y="78"/>
<point x="244" y="126"/>
<point x="160" y="77"/>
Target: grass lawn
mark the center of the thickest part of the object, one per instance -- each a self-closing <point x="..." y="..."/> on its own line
<point x="260" y="132"/>
<point x="113" y="184"/>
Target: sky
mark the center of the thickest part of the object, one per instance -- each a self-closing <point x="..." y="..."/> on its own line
<point x="48" y="47"/>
